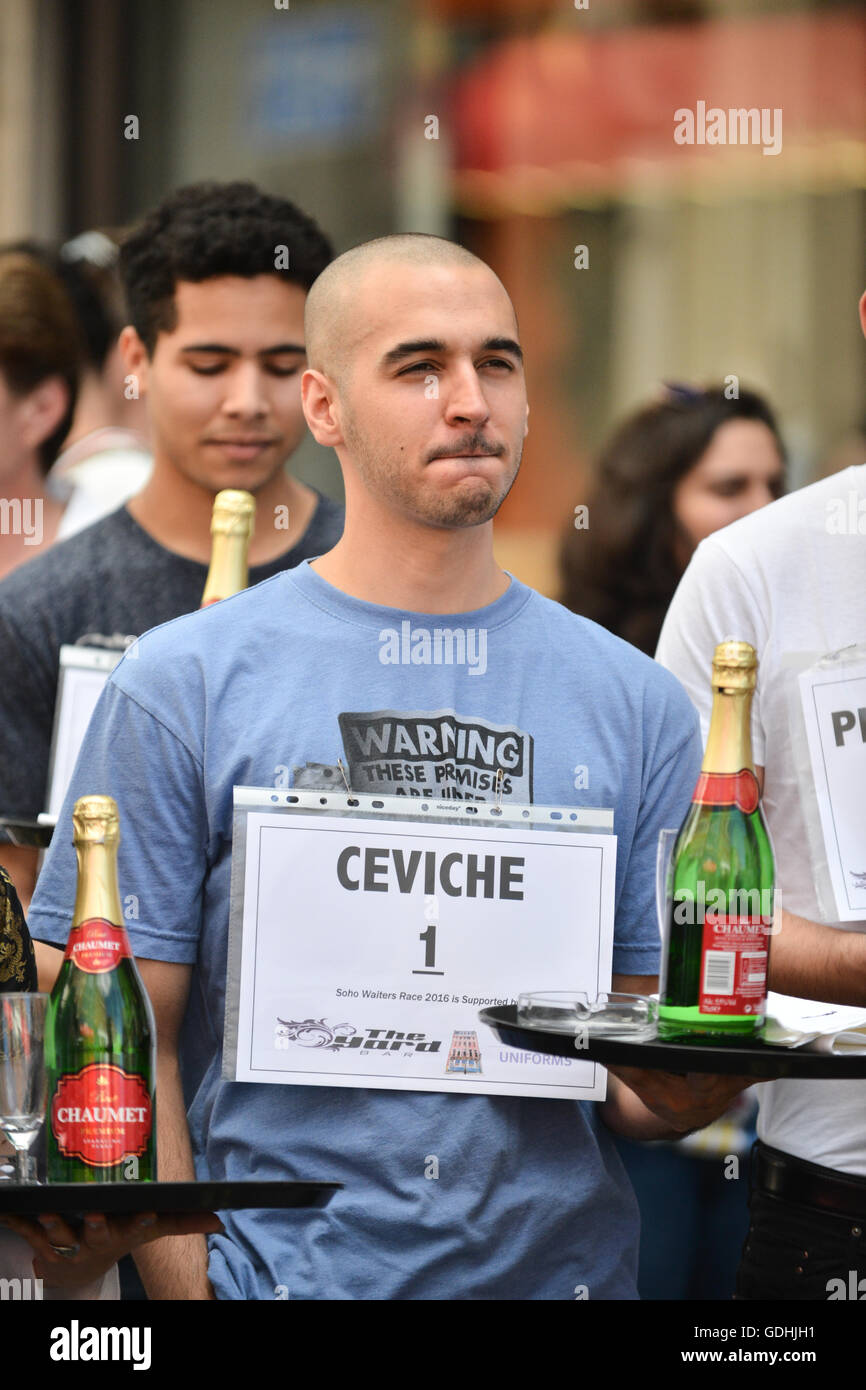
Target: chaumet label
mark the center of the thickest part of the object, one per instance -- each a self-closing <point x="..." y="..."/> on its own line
<point x="97" y="946"/>
<point x="101" y="1115"/>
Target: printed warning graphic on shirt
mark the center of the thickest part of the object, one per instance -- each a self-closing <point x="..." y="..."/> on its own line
<point x="439" y="754"/>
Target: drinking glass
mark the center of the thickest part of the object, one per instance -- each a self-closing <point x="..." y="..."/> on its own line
<point x="22" y="1075"/>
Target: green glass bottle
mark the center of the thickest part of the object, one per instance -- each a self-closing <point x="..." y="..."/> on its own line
<point x="714" y="971"/>
<point x="100" y="1038"/>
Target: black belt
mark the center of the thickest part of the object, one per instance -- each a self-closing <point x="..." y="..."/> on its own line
<point x="808" y="1184"/>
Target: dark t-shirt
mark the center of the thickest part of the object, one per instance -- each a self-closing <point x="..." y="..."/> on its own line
<point x="112" y="578"/>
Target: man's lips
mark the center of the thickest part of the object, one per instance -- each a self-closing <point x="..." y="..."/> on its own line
<point x="468" y="454"/>
<point x="242" y="450"/>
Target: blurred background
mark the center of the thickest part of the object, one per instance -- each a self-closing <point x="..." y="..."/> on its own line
<point x="540" y="133"/>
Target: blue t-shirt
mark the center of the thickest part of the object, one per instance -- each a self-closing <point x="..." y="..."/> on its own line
<point x="531" y="1200"/>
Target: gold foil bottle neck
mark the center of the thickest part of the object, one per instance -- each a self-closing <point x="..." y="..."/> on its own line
<point x="233" y="514"/>
<point x="95" y="820"/>
<point x="729" y="743"/>
<point x="231" y="528"/>
<point x="735" y="666"/>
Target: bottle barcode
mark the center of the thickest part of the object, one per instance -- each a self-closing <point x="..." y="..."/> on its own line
<point x="719" y="972"/>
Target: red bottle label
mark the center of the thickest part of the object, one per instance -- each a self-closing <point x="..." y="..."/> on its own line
<point x="97" y="946"/>
<point x="728" y="789"/>
<point x="101" y="1115"/>
<point x="733" y="964"/>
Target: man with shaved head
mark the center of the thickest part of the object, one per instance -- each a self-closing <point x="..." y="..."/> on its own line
<point x="415" y="379"/>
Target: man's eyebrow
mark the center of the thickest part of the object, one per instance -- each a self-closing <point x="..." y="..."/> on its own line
<point x="226" y="351"/>
<point x="396" y="354"/>
<point x="504" y="345"/>
<point x="403" y="350"/>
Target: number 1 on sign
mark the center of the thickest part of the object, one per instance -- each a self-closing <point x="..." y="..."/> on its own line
<point x="429" y="938"/>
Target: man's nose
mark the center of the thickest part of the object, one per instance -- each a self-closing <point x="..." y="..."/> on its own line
<point x="245" y="394"/>
<point x="466" y="401"/>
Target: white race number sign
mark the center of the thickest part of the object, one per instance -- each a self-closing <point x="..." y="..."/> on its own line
<point x="833" y="695"/>
<point x="364" y="943"/>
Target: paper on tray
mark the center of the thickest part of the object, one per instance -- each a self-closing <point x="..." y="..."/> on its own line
<point x="825" y="1027"/>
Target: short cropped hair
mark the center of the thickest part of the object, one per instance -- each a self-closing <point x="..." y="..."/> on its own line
<point x="331" y="306"/>
<point x="210" y="229"/>
<point x="39" y="338"/>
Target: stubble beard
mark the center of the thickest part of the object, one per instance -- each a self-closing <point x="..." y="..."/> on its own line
<point x="472" y="502"/>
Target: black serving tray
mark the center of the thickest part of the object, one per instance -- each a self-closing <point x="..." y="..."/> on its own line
<point x="757" y="1059"/>
<point x="126" y="1198"/>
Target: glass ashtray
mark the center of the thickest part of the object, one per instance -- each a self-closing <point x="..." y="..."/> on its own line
<point x="605" y="1016"/>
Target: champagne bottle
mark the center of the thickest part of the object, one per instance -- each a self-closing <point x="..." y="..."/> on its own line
<point x="231" y="528"/>
<point x="100" y="1038"/>
<point x="714" y="973"/>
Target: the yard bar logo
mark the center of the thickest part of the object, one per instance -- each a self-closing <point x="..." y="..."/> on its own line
<point x="344" y="1037"/>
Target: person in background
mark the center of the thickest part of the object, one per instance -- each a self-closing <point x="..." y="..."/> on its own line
<point x="105" y="458"/>
<point x="791" y="583"/>
<point x="216" y="342"/>
<point x="40" y="357"/>
<point x="673" y="472"/>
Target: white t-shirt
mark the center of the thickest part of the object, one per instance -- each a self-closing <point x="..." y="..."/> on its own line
<point x="97" y="475"/>
<point x="791" y="580"/>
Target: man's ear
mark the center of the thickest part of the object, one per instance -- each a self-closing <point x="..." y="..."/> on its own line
<point x="526" y="424"/>
<point x="863" y="314"/>
<point x="321" y="409"/>
<point x="134" y="356"/>
<point x="41" y="411"/>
